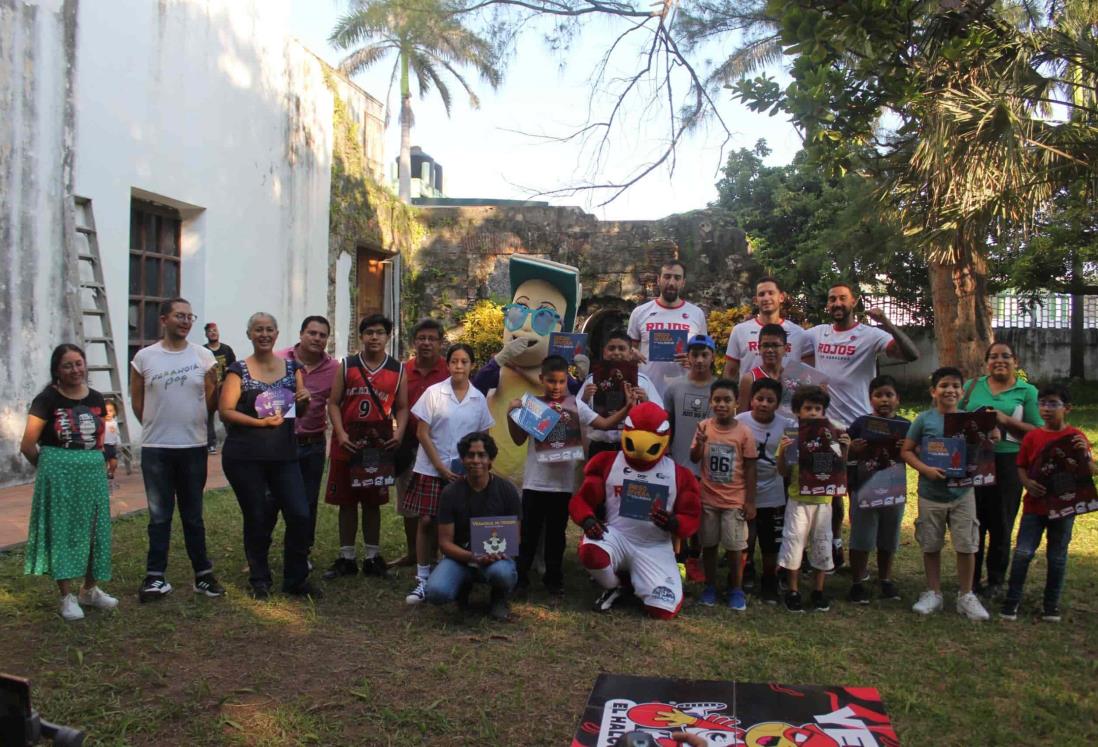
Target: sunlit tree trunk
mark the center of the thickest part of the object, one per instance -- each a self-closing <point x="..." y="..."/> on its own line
<point x="962" y="316"/>
<point x="404" y="165"/>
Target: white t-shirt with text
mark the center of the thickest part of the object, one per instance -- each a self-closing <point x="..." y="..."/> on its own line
<point x="849" y="359"/>
<point x="654" y="315"/>
<point x="743" y="343"/>
<point x="175" y="395"/>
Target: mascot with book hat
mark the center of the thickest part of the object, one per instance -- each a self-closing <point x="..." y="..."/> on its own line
<point x="544" y="299"/>
<point x="644" y="499"/>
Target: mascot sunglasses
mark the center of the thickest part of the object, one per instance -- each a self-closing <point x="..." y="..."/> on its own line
<point x="543" y="322"/>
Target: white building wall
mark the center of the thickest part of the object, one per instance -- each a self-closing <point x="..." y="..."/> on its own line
<point x="206" y="105"/>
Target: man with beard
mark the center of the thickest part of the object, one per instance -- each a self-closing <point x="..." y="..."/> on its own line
<point x="846" y="352"/>
<point x="319" y="369"/>
<point x="743" y="342"/>
<point x="666" y="311"/>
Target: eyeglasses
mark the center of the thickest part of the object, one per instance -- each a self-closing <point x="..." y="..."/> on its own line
<point x="771" y="346"/>
<point x="543" y="321"/>
<point x="1050" y="404"/>
<point x="184" y="317"/>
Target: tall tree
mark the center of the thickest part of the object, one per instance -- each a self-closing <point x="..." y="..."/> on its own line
<point x="972" y="145"/>
<point x="430" y="44"/>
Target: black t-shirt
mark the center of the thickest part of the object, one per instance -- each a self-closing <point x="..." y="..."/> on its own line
<point x="70" y="423"/>
<point x="459" y="503"/>
<point x="224" y="356"/>
<point x="255" y="442"/>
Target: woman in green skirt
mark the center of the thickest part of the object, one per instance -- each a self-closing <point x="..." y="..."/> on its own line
<point x="70" y="523"/>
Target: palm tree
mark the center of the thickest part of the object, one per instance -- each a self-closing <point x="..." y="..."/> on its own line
<point x="429" y="42"/>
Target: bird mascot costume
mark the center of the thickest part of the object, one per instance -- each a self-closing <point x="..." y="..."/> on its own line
<point x="639" y="549"/>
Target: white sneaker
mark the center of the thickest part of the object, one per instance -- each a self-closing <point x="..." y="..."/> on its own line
<point x="96" y="597"/>
<point x="969" y="606"/>
<point x="418" y="594"/>
<point x="70" y="608"/>
<point x="929" y="603"/>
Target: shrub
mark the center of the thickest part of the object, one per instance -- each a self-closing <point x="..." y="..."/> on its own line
<point x="482" y="330"/>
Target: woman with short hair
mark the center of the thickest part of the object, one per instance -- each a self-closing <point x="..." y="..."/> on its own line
<point x="258" y="397"/>
<point x="69" y="535"/>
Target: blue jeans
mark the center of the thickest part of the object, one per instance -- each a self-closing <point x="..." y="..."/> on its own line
<point x="449" y="578"/>
<point x="171" y="476"/>
<point x="310" y="458"/>
<point x="251" y="480"/>
<point x="1029" y="539"/>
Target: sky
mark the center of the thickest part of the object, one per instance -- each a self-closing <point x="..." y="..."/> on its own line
<point x="496" y="152"/>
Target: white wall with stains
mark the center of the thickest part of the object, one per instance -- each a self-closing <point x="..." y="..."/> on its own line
<point x="209" y="106"/>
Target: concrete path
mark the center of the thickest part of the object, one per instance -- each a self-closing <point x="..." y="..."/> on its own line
<point x="128" y="497"/>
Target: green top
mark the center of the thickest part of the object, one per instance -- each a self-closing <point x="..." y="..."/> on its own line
<point x="795" y="489"/>
<point x="931" y="423"/>
<point x="1020" y="401"/>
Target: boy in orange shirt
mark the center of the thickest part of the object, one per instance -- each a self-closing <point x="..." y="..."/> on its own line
<point x="727" y="452"/>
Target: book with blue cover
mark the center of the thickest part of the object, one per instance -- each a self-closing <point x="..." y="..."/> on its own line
<point x="535" y="417"/>
<point x="665" y="344"/>
<point x="568" y="345"/>
<point x="637" y="498"/>
<point x="946" y="453"/>
<point x="494" y="535"/>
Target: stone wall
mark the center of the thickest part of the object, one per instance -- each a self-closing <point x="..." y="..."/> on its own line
<point x="464" y="257"/>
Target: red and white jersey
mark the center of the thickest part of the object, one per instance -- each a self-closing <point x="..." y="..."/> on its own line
<point x="849" y="360"/>
<point x="743" y="343"/>
<point x="358" y="407"/>
<point x="642" y="532"/>
<point x="655" y="315"/>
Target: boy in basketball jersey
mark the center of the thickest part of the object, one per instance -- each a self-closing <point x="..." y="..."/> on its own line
<point x="368" y="394"/>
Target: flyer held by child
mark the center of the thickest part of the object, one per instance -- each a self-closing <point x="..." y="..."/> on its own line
<point x="975" y="428"/>
<point x="535" y="417"/>
<point x="882" y="475"/>
<point x="610" y="379"/>
<point x="821" y="461"/>
<point x="1063" y="468"/>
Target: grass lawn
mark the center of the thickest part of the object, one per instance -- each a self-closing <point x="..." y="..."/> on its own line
<point x="361" y="667"/>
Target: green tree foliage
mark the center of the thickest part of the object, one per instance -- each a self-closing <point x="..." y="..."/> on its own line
<point x="810" y="231"/>
<point x="482" y="329"/>
<point x="430" y="44"/>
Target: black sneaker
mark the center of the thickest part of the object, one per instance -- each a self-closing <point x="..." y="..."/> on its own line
<point x="341" y="567"/>
<point x="889" y="590"/>
<point x="820" y="602"/>
<point x="375" y="566"/>
<point x="305" y="589"/>
<point x="749" y="577"/>
<point x="207" y="584"/>
<point x="1051" y="614"/>
<point x="1009" y="611"/>
<point x="153" y="588"/>
<point x="606" y="600"/>
<point x="793" y="601"/>
<point x="260" y="592"/>
<point x="769" y="589"/>
<point x="858" y="594"/>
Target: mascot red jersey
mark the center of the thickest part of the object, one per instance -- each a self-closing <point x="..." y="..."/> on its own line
<point x="638" y="548"/>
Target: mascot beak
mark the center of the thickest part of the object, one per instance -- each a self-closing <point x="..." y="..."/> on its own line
<point x="645" y="435"/>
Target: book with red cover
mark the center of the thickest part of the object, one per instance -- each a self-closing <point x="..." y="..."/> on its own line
<point x="820" y="458"/>
<point x="975" y="428"/>
<point x="610" y="379"/>
<point x="373" y="466"/>
<point x="882" y="476"/>
<point x="1064" y="470"/>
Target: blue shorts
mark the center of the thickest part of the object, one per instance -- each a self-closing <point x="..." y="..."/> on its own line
<point x="875" y="528"/>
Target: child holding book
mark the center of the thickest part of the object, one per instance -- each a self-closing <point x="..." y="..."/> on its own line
<point x="768" y="365"/>
<point x="874" y="528"/>
<point x="618" y="348"/>
<point x="941" y="506"/>
<point x="1054" y="403"/>
<point x="767" y="428"/>
<point x="726" y="450"/>
<point x="686" y="400"/>
<point x="548" y="484"/>
<point x="807" y="517"/>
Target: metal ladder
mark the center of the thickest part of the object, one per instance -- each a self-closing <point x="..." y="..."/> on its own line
<point x="97" y="315"/>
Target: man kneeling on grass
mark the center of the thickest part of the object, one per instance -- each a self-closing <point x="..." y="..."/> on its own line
<point x="480" y="494"/>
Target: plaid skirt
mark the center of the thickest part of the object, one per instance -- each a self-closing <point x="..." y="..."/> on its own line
<point x="422" y="498"/>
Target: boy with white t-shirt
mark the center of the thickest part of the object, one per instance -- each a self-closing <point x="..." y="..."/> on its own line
<point x="768" y="428"/>
<point x="667" y="311"/>
<point x="548" y="483"/>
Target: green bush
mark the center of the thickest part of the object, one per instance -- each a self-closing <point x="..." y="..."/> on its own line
<point x="482" y="330"/>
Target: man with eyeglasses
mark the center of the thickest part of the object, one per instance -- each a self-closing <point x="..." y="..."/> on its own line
<point x="173" y="386"/>
<point x="427" y="367"/>
<point x="667" y="311"/>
